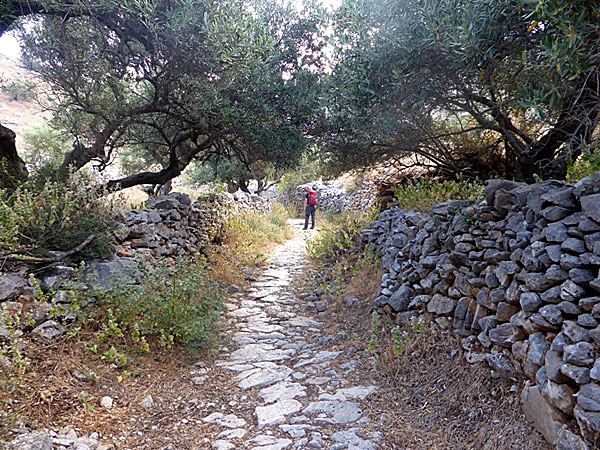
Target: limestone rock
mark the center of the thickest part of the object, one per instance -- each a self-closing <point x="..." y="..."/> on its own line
<point x="543" y="417"/>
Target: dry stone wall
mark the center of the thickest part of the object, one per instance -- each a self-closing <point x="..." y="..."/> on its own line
<point x="517" y="276"/>
<point x="170" y="225"/>
<point x="332" y="196"/>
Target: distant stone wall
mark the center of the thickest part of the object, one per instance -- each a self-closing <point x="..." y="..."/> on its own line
<point x="332" y="196"/>
<point x="516" y="276"/>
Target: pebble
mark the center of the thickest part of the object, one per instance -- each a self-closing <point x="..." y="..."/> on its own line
<point x="148" y="402"/>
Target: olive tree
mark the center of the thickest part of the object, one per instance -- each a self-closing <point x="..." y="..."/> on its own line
<point x="461" y="86"/>
<point x="180" y="80"/>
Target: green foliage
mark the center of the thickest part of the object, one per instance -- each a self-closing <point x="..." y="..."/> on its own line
<point x="44" y="150"/>
<point x="18" y="91"/>
<point x="167" y="82"/>
<point x="339" y="236"/>
<point x="585" y="166"/>
<point x="55" y="216"/>
<point x="310" y="169"/>
<point x="412" y="79"/>
<point x="175" y="305"/>
<point x="424" y="193"/>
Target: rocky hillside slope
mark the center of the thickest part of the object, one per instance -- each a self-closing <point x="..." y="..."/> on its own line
<point x="18" y="114"/>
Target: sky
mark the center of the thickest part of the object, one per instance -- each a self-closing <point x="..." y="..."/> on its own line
<point x="9" y="46"/>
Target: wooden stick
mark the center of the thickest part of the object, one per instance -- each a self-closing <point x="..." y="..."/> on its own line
<point x="54" y="259"/>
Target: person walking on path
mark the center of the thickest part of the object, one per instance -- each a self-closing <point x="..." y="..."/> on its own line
<point x="310" y="207"/>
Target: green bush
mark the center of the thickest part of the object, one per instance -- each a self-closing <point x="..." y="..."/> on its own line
<point x="39" y="217"/>
<point x="178" y="305"/>
<point x="424" y="193"/>
<point x="339" y="235"/>
<point x="585" y="166"/>
<point x="310" y="169"/>
<point x="45" y="148"/>
<point x="18" y="91"/>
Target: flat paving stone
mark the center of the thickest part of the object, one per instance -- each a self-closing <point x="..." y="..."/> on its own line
<point x="234" y="367"/>
<point x="300" y="321"/>
<point x="339" y="412"/>
<point x="247" y="312"/>
<point x="258" y="352"/>
<point x="352" y="440"/>
<point x="357" y="392"/>
<point x="257" y="378"/>
<point x="320" y="357"/>
<point x="275" y="413"/>
<point x="236" y="433"/>
<point x="282" y="390"/>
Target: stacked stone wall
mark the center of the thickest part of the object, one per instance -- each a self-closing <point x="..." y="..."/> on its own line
<point x="332" y="196"/>
<point x="172" y="225"/>
<point x="517" y="277"/>
<point x="169" y="226"/>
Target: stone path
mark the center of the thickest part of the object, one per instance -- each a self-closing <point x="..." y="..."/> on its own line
<point x="304" y="398"/>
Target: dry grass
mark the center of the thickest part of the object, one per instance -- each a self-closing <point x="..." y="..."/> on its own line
<point x="249" y="238"/>
<point x="51" y="397"/>
<point x="366" y="280"/>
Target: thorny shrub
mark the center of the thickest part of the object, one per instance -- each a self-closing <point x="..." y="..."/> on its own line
<point x="39" y="217"/>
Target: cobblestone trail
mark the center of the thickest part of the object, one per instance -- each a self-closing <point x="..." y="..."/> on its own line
<point x="305" y="398"/>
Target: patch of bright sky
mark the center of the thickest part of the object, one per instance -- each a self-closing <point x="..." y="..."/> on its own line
<point x="9" y="45"/>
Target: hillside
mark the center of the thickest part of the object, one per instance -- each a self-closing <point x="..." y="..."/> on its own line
<point x="19" y="115"/>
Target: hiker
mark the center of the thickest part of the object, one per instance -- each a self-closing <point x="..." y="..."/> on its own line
<point x="310" y="206"/>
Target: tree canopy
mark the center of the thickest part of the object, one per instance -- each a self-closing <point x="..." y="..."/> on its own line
<point x="477" y="87"/>
<point x="505" y="87"/>
<point x="178" y="80"/>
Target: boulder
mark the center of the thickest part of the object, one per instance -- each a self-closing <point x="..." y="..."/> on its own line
<point x="12" y="285"/>
<point x="542" y="416"/>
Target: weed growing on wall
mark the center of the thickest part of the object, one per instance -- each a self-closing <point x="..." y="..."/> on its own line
<point x="422" y="194"/>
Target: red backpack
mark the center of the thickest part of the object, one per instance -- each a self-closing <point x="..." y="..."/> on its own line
<point x="312" y="198"/>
